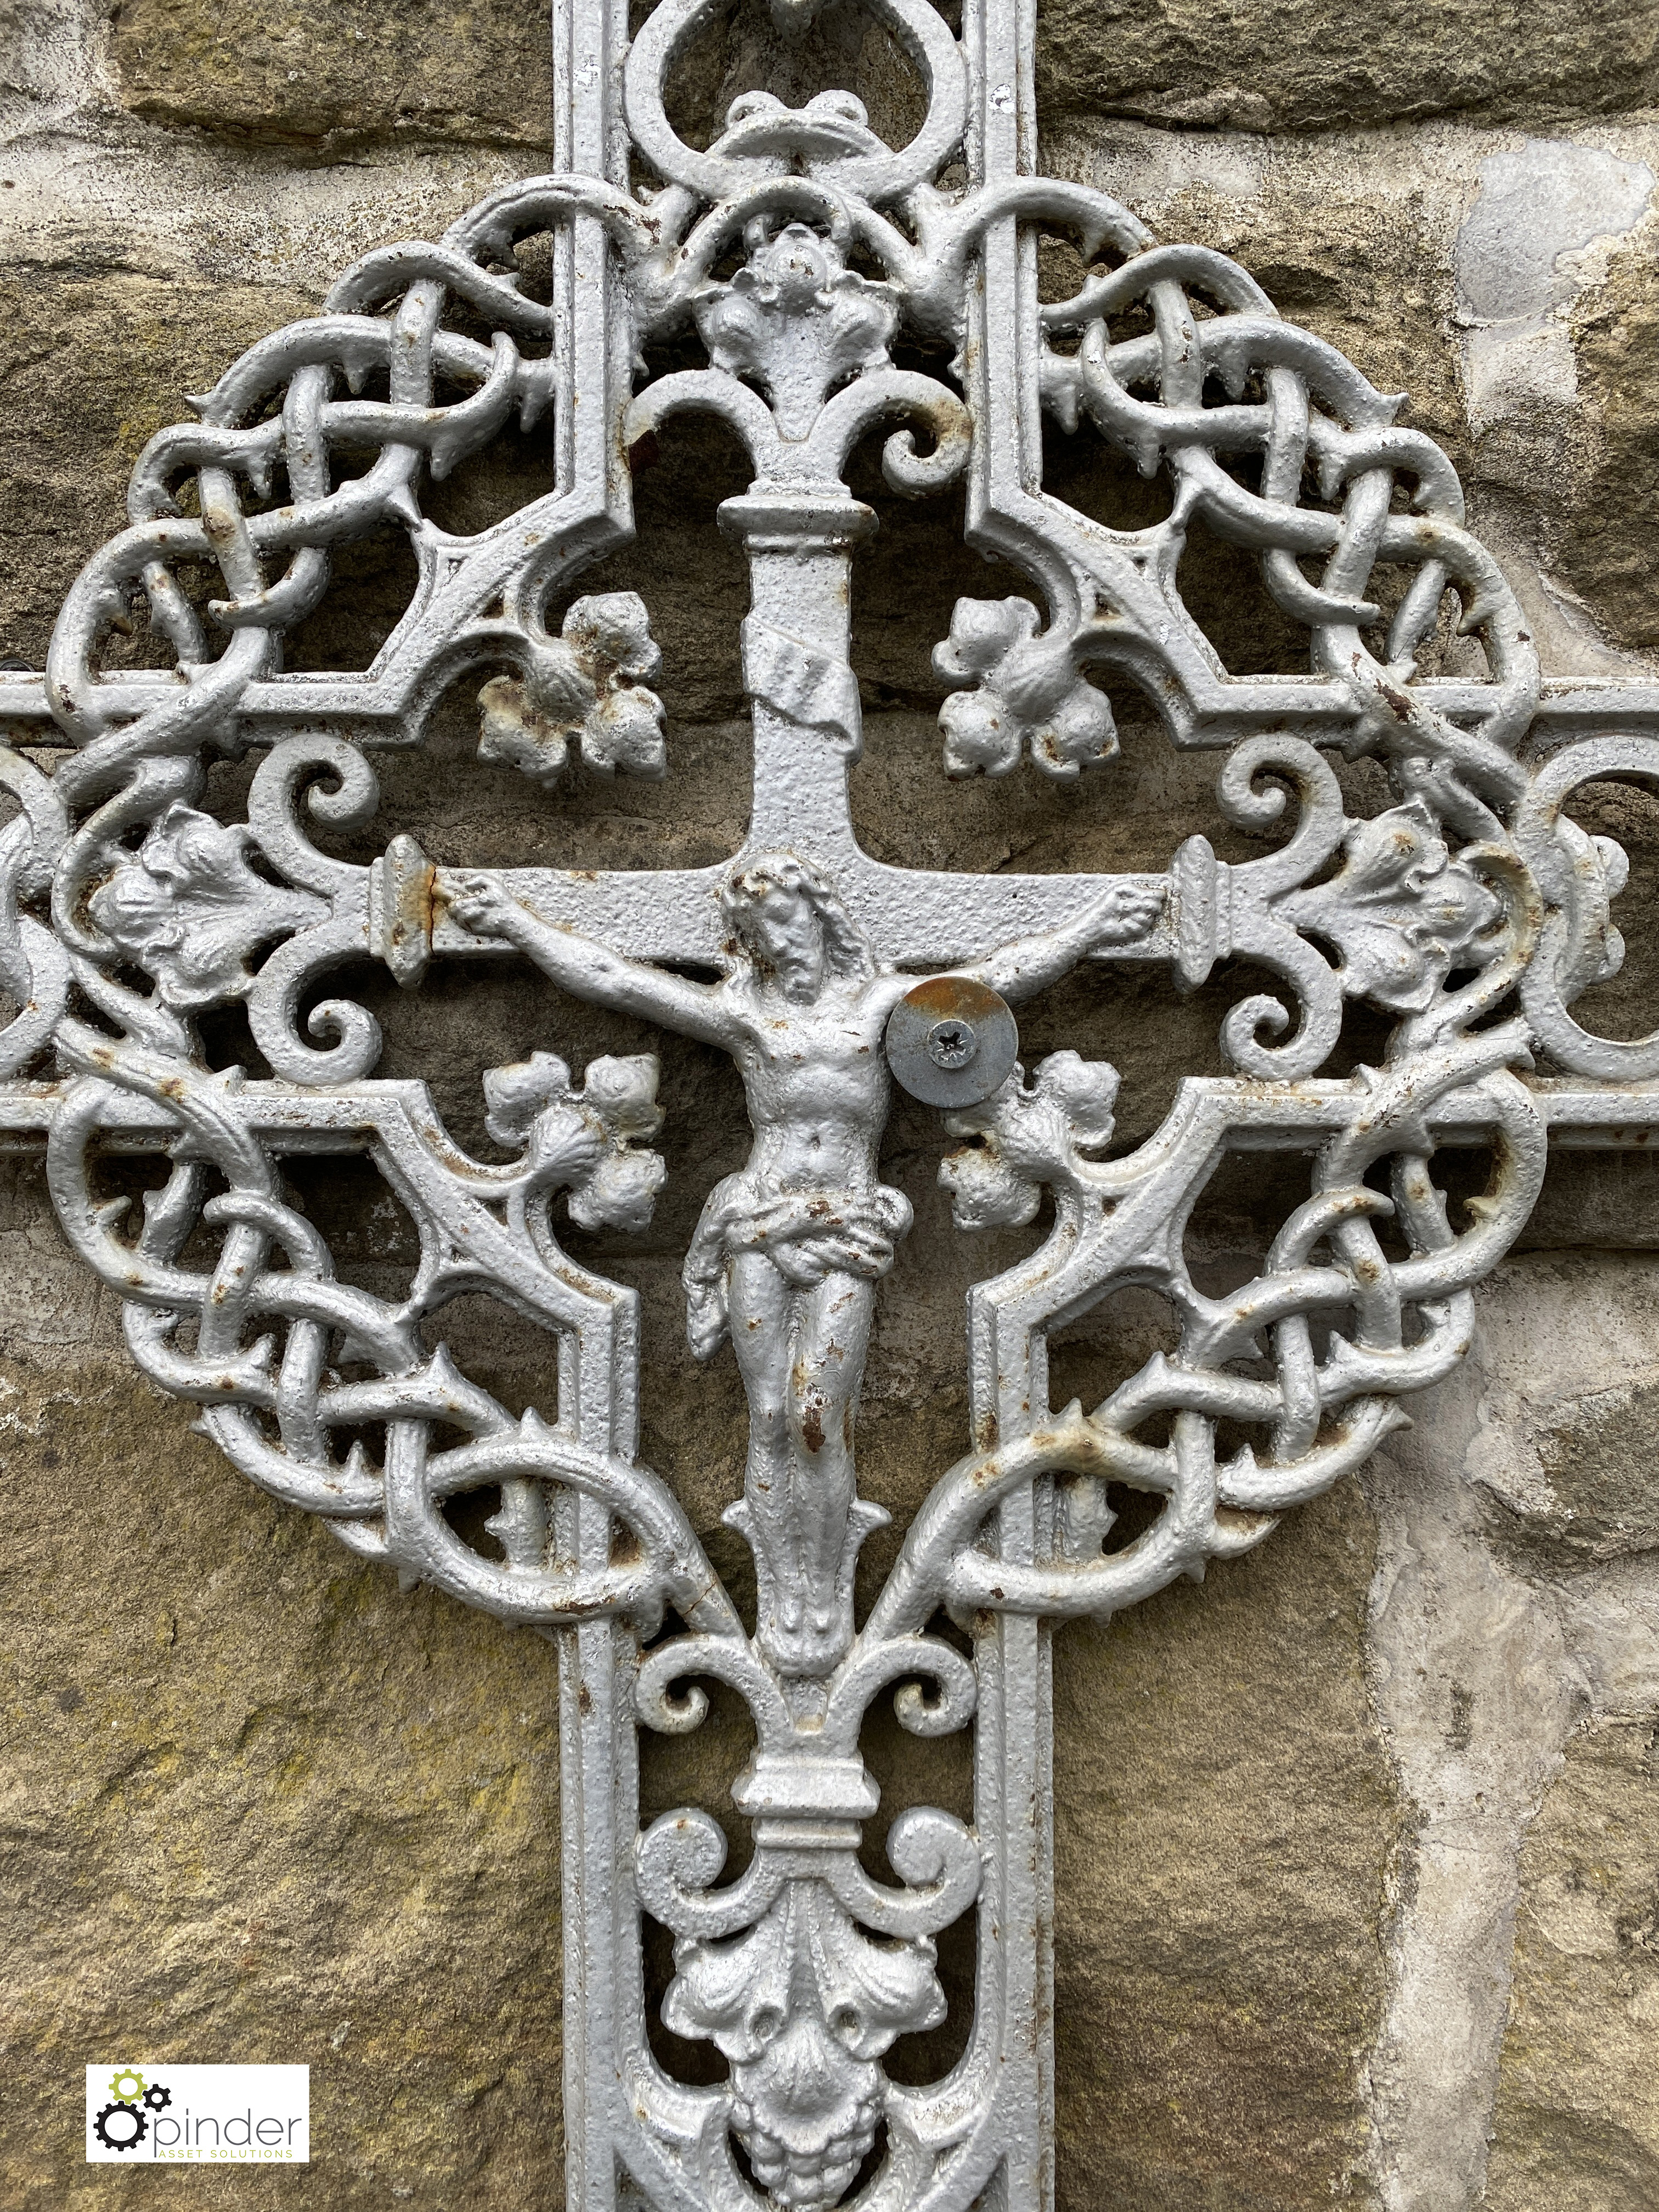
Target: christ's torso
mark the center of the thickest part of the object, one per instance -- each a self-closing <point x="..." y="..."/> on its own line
<point x="816" y="1085"/>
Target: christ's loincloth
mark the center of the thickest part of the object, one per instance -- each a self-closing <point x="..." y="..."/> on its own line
<point x="807" y="1235"/>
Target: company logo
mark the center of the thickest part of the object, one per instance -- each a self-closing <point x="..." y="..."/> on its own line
<point x="244" y="2115"/>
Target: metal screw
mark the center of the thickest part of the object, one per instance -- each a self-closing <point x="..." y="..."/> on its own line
<point x="951" y="1041"/>
<point x="951" y="1044"/>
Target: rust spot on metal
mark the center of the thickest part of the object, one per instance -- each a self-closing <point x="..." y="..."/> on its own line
<point x="955" y="998"/>
<point x="410" y="902"/>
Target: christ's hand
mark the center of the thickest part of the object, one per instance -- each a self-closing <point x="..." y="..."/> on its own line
<point x="1127" y="911"/>
<point x="584" y="966"/>
<point x="480" y="902"/>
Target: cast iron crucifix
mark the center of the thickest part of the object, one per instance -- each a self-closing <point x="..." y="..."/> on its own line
<point x="800" y="251"/>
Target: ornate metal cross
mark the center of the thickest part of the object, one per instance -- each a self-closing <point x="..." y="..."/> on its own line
<point x="1470" y="908"/>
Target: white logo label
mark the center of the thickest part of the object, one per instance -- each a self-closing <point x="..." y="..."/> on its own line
<point x="199" y="2115"/>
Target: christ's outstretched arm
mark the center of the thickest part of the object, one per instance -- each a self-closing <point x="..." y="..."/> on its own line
<point x="1029" y="964"/>
<point x="583" y="966"/>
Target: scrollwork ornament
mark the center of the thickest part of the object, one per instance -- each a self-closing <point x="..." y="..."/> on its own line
<point x="810" y="287"/>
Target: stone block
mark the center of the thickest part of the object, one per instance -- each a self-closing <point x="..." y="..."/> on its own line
<point x="474" y="69"/>
<point x="1576" y="2124"/>
<point x="91" y="366"/>
<point x="258" y="1807"/>
<point x="1606" y="551"/>
<point x="1276" y="65"/>
<point x="1223" y="1829"/>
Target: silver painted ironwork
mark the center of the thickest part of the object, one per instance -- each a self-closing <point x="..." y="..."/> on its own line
<point x="1470" y="908"/>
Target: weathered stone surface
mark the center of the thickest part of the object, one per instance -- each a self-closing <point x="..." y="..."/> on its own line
<point x="1606" y="1199"/>
<point x="1568" y="1448"/>
<point x="1576" y="2124"/>
<point x="1550" y="260"/>
<point x="90" y="368"/>
<point x="739" y="49"/>
<point x="31" y="30"/>
<point x="322" y="1803"/>
<point x="478" y="70"/>
<point x="481" y="71"/>
<point x="1606" y="552"/>
<point x="260" y="1806"/>
<point x="1273" y="65"/>
<point x="1596" y="1452"/>
<point x="1223" y="1831"/>
<point x="1491" y="1644"/>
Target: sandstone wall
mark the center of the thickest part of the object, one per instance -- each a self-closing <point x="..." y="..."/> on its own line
<point x="1357" y="1844"/>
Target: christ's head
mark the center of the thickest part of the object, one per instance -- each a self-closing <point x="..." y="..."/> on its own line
<point x="785" y="918"/>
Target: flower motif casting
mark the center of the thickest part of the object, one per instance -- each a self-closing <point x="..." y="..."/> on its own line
<point x="587" y="687"/>
<point x="798" y="320"/>
<point x="584" y="1140"/>
<point x="1031" y="1136"/>
<point x="1028" y="692"/>
<point x="803" y="2004"/>
<point x="1402" y="911"/>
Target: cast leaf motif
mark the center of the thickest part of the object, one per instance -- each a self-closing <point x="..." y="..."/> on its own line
<point x="188" y="909"/>
<point x="587" y="687"/>
<point x="1026" y="692"/>
<point x="804" y="2004"/>
<point x="584" y="1138"/>
<point x="1028" y="1136"/>
<point x="1402" y="911"/>
<point x="798" y="320"/>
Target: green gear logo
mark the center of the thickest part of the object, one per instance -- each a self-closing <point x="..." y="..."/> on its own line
<point x="125" y="2123"/>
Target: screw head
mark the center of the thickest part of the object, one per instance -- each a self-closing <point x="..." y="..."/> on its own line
<point x="951" y="1041"/>
<point x="951" y="1044"/>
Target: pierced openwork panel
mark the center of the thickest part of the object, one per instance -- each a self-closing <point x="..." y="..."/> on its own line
<point x="825" y="287"/>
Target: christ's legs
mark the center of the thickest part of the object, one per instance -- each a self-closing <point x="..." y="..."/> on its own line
<point x="832" y="1335"/>
<point x="801" y="1352"/>
<point x="759" y="1304"/>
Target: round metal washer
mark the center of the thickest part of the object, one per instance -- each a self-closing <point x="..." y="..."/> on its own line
<point x="951" y="1041"/>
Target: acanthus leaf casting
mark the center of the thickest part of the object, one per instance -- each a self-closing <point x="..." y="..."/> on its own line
<point x="188" y="908"/>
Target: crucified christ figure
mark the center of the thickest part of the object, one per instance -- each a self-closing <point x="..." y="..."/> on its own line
<point x="788" y="1250"/>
